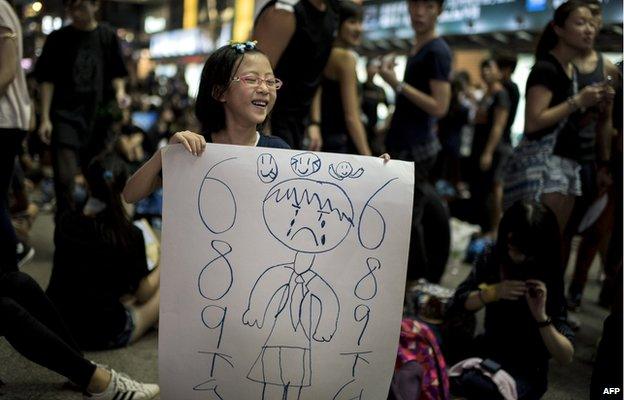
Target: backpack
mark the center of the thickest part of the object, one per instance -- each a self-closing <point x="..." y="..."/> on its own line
<point x="418" y="343"/>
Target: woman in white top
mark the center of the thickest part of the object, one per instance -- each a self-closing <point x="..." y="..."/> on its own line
<point x="14" y="121"/>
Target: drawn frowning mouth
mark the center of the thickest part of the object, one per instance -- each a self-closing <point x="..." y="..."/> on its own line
<point x="305" y="229"/>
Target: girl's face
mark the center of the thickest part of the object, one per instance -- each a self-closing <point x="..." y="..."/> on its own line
<point x="351" y="31"/>
<point x="579" y="30"/>
<point x="248" y="100"/>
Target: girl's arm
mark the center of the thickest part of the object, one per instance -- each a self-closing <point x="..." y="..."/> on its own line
<point x="558" y="345"/>
<point x="143" y="182"/>
<point x="539" y="116"/>
<point x="347" y="77"/>
<point x="501" y="114"/>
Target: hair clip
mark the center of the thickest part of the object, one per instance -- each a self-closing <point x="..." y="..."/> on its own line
<point x="242" y="47"/>
<point x="107" y="175"/>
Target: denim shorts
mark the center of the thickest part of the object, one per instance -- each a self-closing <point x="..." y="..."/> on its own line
<point x="123" y="338"/>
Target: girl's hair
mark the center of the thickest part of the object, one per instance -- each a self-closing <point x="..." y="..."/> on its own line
<point x="216" y="77"/>
<point x="533" y="229"/>
<point x="549" y="38"/>
<point x="106" y="177"/>
<point x="348" y="9"/>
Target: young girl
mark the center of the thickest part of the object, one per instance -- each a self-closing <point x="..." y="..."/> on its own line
<point x="519" y="281"/>
<point x="341" y="126"/>
<point x="99" y="258"/>
<point x="236" y="93"/>
<point x="545" y="165"/>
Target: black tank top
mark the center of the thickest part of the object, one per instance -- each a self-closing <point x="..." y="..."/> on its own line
<point x="336" y="138"/>
<point x="587" y="121"/>
<point x="301" y="65"/>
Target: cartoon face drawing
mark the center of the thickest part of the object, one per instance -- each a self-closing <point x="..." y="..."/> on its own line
<point x="305" y="218"/>
<point x="344" y="170"/>
<point x="267" y="168"/>
<point x="305" y="164"/>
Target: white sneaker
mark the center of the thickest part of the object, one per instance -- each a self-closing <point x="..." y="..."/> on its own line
<point x="122" y="387"/>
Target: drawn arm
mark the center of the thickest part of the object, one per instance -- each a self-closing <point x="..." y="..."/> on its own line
<point x="329" y="309"/>
<point x="272" y="283"/>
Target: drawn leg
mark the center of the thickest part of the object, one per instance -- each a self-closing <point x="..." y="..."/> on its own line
<point x="273" y="392"/>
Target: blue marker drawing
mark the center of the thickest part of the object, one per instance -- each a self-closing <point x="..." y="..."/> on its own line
<point x="309" y="217"/>
<point x="213" y="317"/>
<point x="338" y="394"/>
<point x="210" y="286"/>
<point x="344" y="170"/>
<point x="209" y="386"/>
<point x="361" y="313"/>
<point x="305" y="164"/>
<point x="366" y="288"/>
<point x="267" y="168"/>
<point x="216" y="203"/>
<point x="221" y="356"/>
<point x="372" y="226"/>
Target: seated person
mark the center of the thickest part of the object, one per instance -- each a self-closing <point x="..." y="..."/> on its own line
<point x="519" y="281"/>
<point x="99" y="258"/>
<point x="32" y="325"/>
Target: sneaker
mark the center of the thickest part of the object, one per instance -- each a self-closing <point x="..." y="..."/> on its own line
<point x="25" y="253"/>
<point x="122" y="387"/>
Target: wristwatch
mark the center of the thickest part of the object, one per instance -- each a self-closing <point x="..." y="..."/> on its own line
<point x="543" y="324"/>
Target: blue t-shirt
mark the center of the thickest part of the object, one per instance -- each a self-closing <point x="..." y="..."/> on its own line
<point x="272" y="142"/>
<point x="412" y="126"/>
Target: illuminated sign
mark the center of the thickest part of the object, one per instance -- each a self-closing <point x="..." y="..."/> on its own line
<point x="385" y="19"/>
<point x="188" y="42"/>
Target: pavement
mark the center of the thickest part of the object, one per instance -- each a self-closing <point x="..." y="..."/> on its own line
<point x="24" y="380"/>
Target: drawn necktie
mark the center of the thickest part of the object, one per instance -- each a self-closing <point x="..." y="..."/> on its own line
<point x="296" y="298"/>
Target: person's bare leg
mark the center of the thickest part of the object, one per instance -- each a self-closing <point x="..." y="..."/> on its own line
<point x="99" y="381"/>
<point x="145" y="316"/>
<point x="561" y="205"/>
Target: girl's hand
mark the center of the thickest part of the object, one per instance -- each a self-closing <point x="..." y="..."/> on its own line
<point x="510" y="290"/>
<point x="194" y="143"/>
<point x="536" y="299"/>
<point x="591" y="95"/>
<point x="386" y="71"/>
<point x="485" y="163"/>
<point x="386" y="157"/>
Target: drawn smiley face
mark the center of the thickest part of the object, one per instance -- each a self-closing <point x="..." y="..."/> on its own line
<point x="267" y="168"/>
<point x="344" y="169"/>
<point x="305" y="164"/>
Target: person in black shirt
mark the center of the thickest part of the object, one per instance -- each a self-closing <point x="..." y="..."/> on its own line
<point x="81" y="73"/>
<point x="372" y="96"/>
<point x="297" y="37"/>
<point x="341" y="126"/>
<point x="507" y="65"/>
<point x="422" y="97"/>
<point x="545" y="164"/>
<point x="519" y="281"/>
<point x="489" y="124"/>
<point x="595" y="133"/>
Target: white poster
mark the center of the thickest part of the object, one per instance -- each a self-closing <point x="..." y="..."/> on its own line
<point x="283" y="273"/>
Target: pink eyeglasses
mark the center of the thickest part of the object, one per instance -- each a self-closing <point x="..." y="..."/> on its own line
<point x="255" y="81"/>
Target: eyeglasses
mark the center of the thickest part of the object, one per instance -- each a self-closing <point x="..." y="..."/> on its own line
<point x="255" y="81"/>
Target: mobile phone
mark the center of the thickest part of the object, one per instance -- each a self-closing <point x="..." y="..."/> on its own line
<point x="490" y="366"/>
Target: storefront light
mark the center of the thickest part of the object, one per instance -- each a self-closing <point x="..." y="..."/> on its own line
<point x="37" y="6"/>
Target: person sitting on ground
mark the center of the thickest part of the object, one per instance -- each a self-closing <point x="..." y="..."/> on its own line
<point x="99" y="258"/>
<point x="519" y="281"/>
<point x="33" y="326"/>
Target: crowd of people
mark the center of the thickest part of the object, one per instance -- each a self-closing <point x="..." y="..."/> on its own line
<point x="295" y="86"/>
